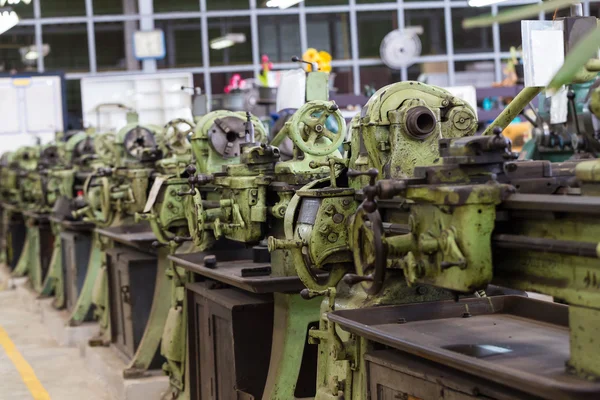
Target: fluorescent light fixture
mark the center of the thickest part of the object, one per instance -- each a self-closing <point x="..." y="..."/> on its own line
<point x="13" y="2"/>
<point x="30" y="53"/>
<point x="283" y="4"/>
<point x="483" y="3"/>
<point x="226" y="41"/>
<point x="8" y="19"/>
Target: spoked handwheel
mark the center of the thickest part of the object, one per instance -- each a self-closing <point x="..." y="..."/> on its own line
<point x="101" y="209"/>
<point x="309" y="131"/>
<point x="104" y="145"/>
<point x="368" y="249"/>
<point x="176" y="136"/>
<point x="194" y="211"/>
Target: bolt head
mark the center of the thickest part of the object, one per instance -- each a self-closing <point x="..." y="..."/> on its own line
<point x="210" y="261"/>
<point x="338" y="218"/>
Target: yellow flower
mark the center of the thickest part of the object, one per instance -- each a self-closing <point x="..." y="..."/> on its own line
<point x="322" y="58"/>
<point x="311" y="54"/>
<point x="325" y="66"/>
<point x="325" y="56"/>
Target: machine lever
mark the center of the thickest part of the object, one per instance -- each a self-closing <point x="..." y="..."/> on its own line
<point x="353" y="279"/>
<point x="182" y="239"/>
<point x="314" y="66"/>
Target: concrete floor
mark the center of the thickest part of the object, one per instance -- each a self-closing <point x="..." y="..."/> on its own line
<point x="60" y="370"/>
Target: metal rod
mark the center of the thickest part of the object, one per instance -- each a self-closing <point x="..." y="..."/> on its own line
<point x="565" y="247"/>
<point x="553" y="203"/>
<point x="513" y="109"/>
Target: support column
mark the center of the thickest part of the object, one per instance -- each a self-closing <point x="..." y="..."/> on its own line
<point x="146" y="8"/>
<point x="129" y="28"/>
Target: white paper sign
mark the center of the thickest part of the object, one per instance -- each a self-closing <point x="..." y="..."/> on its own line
<point x="292" y="89"/>
<point x="543" y="51"/>
<point x="149" y="44"/>
<point x="548" y="52"/>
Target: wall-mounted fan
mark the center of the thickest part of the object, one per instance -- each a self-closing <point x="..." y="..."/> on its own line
<point x="400" y="48"/>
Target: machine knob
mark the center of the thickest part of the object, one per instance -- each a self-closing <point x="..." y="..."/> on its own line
<point x="191" y="170"/>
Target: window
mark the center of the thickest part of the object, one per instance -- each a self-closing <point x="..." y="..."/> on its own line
<point x="114" y="49"/>
<point x="227" y="4"/>
<point x="114" y="7"/>
<point x="372" y="28"/>
<point x="62" y="8"/>
<point x="161" y="6"/>
<point x="68" y="47"/>
<point x="471" y="40"/>
<point x="279" y="37"/>
<point x="330" y="33"/>
<point x="183" y="43"/>
<point x="18" y="52"/>
<point x="433" y="38"/>
<point x="240" y="52"/>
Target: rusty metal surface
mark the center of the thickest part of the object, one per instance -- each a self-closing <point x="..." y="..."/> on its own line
<point x="529" y="340"/>
<point x="230" y="272"/>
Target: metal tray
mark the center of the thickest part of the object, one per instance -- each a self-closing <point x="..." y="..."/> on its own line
<point x="230" y="267"/>
<point x="74" y="225"/>
<point x="137" y="235"/>
<point x="511" y="340"/>
<point x="39" y="217"/>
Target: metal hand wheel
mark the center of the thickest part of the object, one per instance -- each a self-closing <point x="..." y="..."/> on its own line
<point x="309" y="131"/>
<point x="104" y="214"/>
<point x="175" y="137"/>
<point x="368" y="250"/>
<point x="195" y="216"/>
<point x="104" y="145"/>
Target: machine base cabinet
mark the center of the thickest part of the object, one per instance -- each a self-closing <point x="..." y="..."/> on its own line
<point x="76" y="247"/>
<point x="15" y="239"/>
<point x="229" y="337"/>
<point x="132" y="276"/>
<point x="393" y="375"/>
<point x="46" y="248"/>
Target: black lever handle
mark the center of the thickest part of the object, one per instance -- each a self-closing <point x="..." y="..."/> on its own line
<point x="353" y="279"/>
<point x="314" y="65"/>
<point x="372" y="173"/>
<point x="182" y="239"/>
<point x="571" y="96"/>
